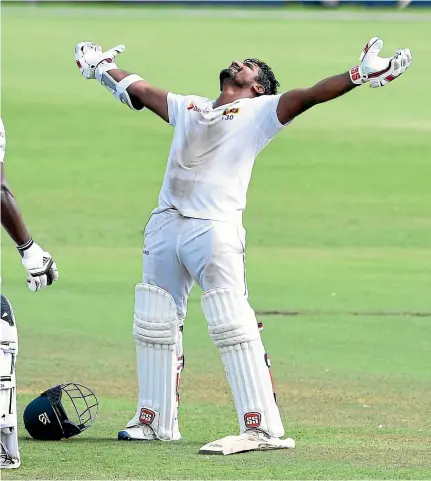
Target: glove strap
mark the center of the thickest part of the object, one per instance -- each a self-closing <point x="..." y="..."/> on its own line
<point x="24" y="247"/>
<point x="357" y="76"/>
<point x="119" y="89"/>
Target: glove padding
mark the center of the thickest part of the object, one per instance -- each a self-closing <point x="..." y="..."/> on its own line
<point x="40" y="266"/>
<point x="89" y="55"/>
<point x="379" y="71"/>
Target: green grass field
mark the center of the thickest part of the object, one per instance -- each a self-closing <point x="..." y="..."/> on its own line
<point x="339" y="230"/>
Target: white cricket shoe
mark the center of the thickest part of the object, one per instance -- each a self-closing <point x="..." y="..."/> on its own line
<point x="139" y="432"/>
<point x="251" y="440"/>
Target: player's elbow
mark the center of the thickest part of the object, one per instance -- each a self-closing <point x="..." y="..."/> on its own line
<point x="138" y="93"/>
<point x="4" y="194"/>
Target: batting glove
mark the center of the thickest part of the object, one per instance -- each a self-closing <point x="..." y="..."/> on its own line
<point x="89" y="55"/>
<point x="379" y="71"/>
<point x="40" y="266"/>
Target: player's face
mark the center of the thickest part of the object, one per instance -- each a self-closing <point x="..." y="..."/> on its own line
<point x="241" y="74"/>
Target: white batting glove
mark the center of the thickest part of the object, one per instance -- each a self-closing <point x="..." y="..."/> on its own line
<point x="379" y="71"/>
<point x="40" y="266"/>
<point x="89" y="55"/>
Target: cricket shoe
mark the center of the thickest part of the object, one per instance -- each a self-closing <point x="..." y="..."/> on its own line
<point x="251" y="440"/>
<point x="139" y="432"/>
<point x="142" y="432"/>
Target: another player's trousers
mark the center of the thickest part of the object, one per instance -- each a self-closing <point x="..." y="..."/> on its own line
<point x="179" y="251"/>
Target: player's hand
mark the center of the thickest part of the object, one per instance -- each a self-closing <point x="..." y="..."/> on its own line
<point x="88" y="56"/>
<point x="379" y="71"/>
<point x="40" y="266"/>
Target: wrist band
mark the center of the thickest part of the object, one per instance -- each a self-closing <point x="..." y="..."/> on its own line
<point x="23" y="247"/>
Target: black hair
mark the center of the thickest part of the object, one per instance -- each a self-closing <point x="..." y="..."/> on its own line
<point x="266" y="76"/>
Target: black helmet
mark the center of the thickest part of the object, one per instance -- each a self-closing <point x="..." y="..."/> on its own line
<point x="45" y="418"/>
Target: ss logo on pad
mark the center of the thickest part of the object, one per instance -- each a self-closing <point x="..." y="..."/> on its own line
<point x="147" y="416"/>
<point x="252" y="420"/>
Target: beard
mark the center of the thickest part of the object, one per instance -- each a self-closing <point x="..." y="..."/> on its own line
<point x="227" y="75"/>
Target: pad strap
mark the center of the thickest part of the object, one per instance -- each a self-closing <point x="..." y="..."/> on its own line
<point x="118" y="89"/>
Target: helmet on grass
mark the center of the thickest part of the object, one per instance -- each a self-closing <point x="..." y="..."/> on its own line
<point x="61" y="412"/>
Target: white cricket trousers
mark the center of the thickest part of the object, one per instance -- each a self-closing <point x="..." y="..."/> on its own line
<point x="179" y="251"/>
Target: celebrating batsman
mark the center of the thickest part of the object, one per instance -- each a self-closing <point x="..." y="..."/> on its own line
<point x="196" y="234"/>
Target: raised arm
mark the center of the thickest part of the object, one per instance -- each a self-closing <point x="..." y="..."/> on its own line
<point x="144" y="95"/>
<point x="374" y="69"/>
<point x="129" y="88"/>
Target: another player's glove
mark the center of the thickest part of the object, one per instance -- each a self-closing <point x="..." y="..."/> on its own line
<point x="40" y="266"/>
<point x="376" y="70"/>
<point x="88" y="56"/>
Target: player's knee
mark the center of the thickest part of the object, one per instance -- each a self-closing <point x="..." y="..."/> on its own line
<point x="155" y="319"/>
<point x="230" y="318"/>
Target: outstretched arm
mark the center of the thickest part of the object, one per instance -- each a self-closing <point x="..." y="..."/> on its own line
<point x="373" y="69"/>
<point x="144" y="95"/>
<point x="295" y="102"/>
<point x="129" y="88"/>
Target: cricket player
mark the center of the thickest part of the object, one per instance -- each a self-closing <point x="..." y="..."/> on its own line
<point x="196" y="233"/>
<point x="41" y="272"/>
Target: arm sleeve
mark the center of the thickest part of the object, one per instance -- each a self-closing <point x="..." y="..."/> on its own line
<point x="266" y="116"/>
<point x="175" y="102"/>
<point x="2" y="141"/>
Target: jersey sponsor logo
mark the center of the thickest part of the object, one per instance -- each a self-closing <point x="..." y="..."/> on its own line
<point x="146" y="416"/>
<point x="231" y="111"/>
<point x="193" y="107"/>
<point x="252" y="420"/>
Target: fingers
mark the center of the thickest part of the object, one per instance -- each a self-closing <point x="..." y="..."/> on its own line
<point x="49" y="277"/>
<point x="79" y="46"/>
<point x="52" y="274"/>
<point x="114" y="51"/>
<point x="372" y="49"/>
<point x="409" y="57"/>
<point x="82" y="48"/>
<point x="33" y="283"/>
<point x="39" y="280"/>
<point x="54" y="271"/>
<point x="119" y="48"/>
<point x="405" y="57"/>
<point x="45" y="280"/>
<point x="396" y="66"/>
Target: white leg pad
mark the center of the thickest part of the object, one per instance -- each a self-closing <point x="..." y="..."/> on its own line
<point x="234" y="329"/>
<point x="9" y="452"/>
<point x="156" y="330"/>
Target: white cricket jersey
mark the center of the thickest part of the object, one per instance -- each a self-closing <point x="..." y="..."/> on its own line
<point x="2" y="141"/>
<point x="213" y="153"/>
